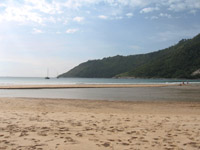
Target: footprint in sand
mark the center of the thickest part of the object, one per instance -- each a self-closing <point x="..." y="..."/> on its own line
<point x="69" y="139"/>
<point x="106" y="144"/>
<point x="61" y="129"/>
<point x="79" y="134"/>
<point x="42" y="134"/>
<point x="23" y="133"/>
<point x="125" y="144"/>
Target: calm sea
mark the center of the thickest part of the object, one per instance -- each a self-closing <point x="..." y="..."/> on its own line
<point x="38" y="80"/>
<point x="131" y="94"/>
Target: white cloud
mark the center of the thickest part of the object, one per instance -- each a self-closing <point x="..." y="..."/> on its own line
<point x="103" y="17"/>
<point x="154" y="17"/>
<point x="72" y="4"/>
<point x="149" y="9"/>
<point x="165" y="15"/>
<point x="20" y="15"/>
<point x="70" y="31"/>
<point x="178" y="5"/>
<point x="44" y="11"/>
<point x="37" y="31"/>
<point x="129" y="15"/>
<point x="78" y="19"/>
<point x="133" y="3"/>
<point x="44" y="6"/>
<point x="2" y="5"/>
<point x="29" y="11"/>
<point x="77" y="4"/>
<point x="50" y="19"/>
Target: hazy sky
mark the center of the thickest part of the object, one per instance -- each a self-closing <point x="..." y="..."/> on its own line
<point x="60" y="34"/>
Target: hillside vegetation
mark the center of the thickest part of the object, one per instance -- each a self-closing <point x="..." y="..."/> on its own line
<point x="178" y="61"/>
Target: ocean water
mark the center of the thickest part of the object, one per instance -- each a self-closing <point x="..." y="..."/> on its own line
<point x="182" y="93"/>
<point x="173" y="93"/>
<point x="38" y="81"/>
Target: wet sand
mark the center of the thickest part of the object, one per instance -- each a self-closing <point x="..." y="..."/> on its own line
<point x="52" y="86"/>
<point x="49" y="124"/>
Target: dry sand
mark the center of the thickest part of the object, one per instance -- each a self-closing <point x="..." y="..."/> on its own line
<point x="50" y="124"/>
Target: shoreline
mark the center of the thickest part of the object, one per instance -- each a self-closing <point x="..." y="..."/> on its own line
<point x="60" y="86"/>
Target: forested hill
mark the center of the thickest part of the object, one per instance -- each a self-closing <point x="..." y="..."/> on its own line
<point x="179" y="61"/>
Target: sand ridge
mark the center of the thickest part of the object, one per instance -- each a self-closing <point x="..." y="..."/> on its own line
<point x="57" y="86"/>
<point x="85" y="124"/>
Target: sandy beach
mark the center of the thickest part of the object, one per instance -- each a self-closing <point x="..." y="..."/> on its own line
<point x="49" y="124"/>
<point x="54" y="86"/>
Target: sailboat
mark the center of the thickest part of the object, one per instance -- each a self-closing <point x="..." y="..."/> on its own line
<point x="47" y="77"/>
